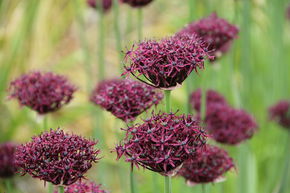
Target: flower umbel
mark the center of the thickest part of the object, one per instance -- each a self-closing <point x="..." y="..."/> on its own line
<point x="162" y="143"/>
<point x="42" y="92"/>
<point x="280" y="112"/>
<point x="126" y="99"/>
<point x="215" y="31"/>
<point x="7" y="165"/>
<point x="56" y="157"/>
<point x="228" y="125"/>
<point x="137" y="3"/>
<point x="166" y="63"/>
<point x="84" y="186"/>
<point x="106" y="4"/>
<point x="207" y="166"/>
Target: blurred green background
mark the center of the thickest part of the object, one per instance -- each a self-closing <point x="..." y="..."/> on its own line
<point x="62" y="36"/>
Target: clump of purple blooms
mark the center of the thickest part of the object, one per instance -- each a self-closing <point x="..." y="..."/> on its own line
<point x="217" y="33"/>
<point x="105" y="4"/>
<point x="224" y="124"/>
<point x="228" y="125"/>
<point x="162" y="143"/>
<point x="207" y="166"/>
<point x="288" y="12"/>
<point x="7" y="165"/>
<point x="126" y="99"/>
<point x="56" y="157"/>
<point x="84" y="186"/>
<point x="43" y="92"/>
<point x="280" y="112"/>
<point x="166" y="63"/>
<point x="212" y="97"/>
<point x="137" y="3"/>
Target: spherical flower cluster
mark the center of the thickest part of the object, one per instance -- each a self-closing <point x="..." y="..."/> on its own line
<point x="126" y="99"/>
<point x="105" y="4"/>
<point x="83" y="187"/>
<point x="42" y="92"/>
<point x="215" y="31"/>
<point x="162" y="143"/>
<point x="212" y="97"/>
<point x="137" y="3"/>
<point x="280" y="112"/>
<point x="167" y="63"/>
<point x="228" y="125"/>
<point x="56" y="157"/>
<point x="7" y="166"/>
<point x="288" y="12"/>
<point x="207" y="166"/>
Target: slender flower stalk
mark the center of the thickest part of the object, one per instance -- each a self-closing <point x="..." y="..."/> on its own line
<point x="117" y="32"/>
<point x="101" y="43"/>
<point x="60" y="189"/>
<point x="132" y="180"/>
<point x="140" y="24"/>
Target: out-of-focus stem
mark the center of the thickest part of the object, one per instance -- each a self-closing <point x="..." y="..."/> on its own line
<point x="167" y="184"/>
<point x="101" y="44"/>
<point x="8" y="185"/>
<point x="117" y="32"/>
<point x="60" y="189"/>
<point x="132" y="180"/>
<point x="167" y="100"/>
<point x="140" y="23"/>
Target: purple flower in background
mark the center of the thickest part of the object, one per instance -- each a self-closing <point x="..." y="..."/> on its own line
<point x="207" y="166"/>
<point x="280" y="112"/>
<point x="126" y="99"/>
<point x="228" y="125"/>
<point x="215" y="31"/>
<point x="162" y="143"/>
<point x="42" y="92"/>
<point x="288" y="12"/>
<point x="56" y="157"/>
<point x="84" y="186"/>
<point x="7" y="166"/>
<point x="166" y="63"/>
<point x="212" y="97"/>
<point x="106" y="4"/>
<point x="137" y="3"/>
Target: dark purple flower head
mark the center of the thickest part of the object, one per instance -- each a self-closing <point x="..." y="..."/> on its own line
<point x="137" y="3"/>
<point x="288" y="12"/>
<point x="56" y="157"/>
<point x="228" y="125"/>
<point x="215" y="31"/>
<point x="207" y="166"/>
<point x="162" y="143"/>
<point x="167" y="63"/>
<point x="211" y="98"/>
<point x="126" y="99"/>
<point x="84" y="186"/>
<point x="106" y="4"/>
<point x="280" y="112"/>
<point x="42" y="92"/>
<point x="7" y="166"/>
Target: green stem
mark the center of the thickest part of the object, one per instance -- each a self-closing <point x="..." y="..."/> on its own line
<point x="140" y="23"/>
<point x="154" y="182"/>
<point x="203" y="188"/>
<point x="286" y="170"/>
<point x="8" y="185"/>
<point x="45" y="123"/>
<point x="167" y="100"/>
<point x="129" y="22"/>
<point x="167" y="184"/>
<point x="132" y="181"/>
<point x="101" y="43"/>
<point x="60" y="189"/>
<point x="50" y="188"/>
<point x="191" y="10"/>
<point x="117" y="32"/>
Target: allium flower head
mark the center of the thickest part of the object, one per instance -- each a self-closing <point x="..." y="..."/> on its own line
<point x="7" y="166"/>
<point x="84" y="186"/>
<point x="280" y="112"/>
<point x="215" y="31"/>
<point x="137" y="3"/>
<point x="56" y="157"/>
<point x="106" y="4"/>
<point x="212" y="97"/>
<point x="162" y="143"/>
<point x="126" y="99"/>
<point x="207" y="166"/>
<point x="288" y="12"/>
<point x="42" y="92"/>
<point x="166" y="63"/>
<point x="228" y="125"/>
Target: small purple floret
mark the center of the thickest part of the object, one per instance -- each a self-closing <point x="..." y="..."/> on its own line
<point x="56" y="157"/>
<point x="84" y="186"/>
<point x="162" y="143"/>
<point x="42" y="92"/>
<point x="126" y="99"/>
